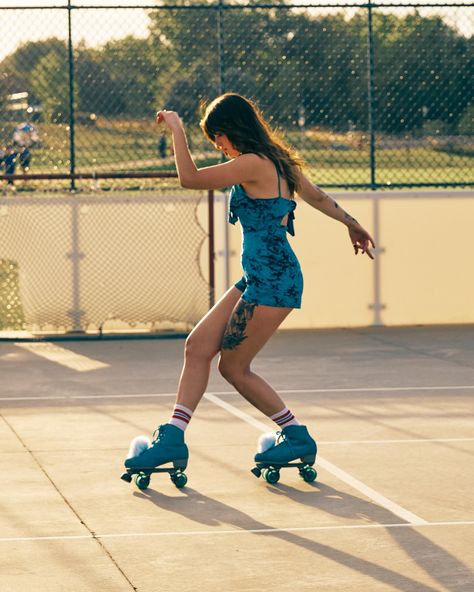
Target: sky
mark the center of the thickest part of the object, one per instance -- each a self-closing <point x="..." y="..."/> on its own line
<point x="98" y="26"/>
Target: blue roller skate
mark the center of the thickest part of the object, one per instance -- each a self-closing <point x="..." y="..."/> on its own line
<point x="146" y="458"/>
<point x="280" y="449"/>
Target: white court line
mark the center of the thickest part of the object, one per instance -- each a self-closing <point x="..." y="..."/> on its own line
<point x="64" y="357"/>
<point x="216" y="532"/>
<point x="95" y="396"/>
<point x="406" y="441"/>
<point x="330" y="467"/>
<point x="284" y="392"/>
<point x="382" y="389"/>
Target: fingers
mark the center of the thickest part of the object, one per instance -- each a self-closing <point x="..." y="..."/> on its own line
<point x="363" y="246"/>
<point x="369" y="240"/>
<point x="366" y="250"/>
<point x="169" y="118"/>
<point x="369" y="254"/>
<point x="159" y="117"/>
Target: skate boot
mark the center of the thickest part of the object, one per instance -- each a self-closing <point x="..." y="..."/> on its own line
<point x="285" y="447"/>
<point x="167" y="447"/>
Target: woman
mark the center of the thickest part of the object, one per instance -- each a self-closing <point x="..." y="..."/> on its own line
<point x="264" y="174"/>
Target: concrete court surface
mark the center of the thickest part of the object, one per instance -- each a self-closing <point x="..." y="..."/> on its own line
<point x="392" y="508"/>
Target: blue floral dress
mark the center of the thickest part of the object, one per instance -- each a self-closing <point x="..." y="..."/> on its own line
<point x="272" y="273"/>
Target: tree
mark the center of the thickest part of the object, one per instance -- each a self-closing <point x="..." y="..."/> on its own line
<point x="96" y="92"/>
<point x="19" y="65"/>
<point x="421" y="71"/>
<point x="132" y="76"/>
<point x="50" y="84"/>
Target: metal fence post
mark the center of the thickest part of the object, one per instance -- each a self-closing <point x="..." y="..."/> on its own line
<point x="72" y="146"/>
<point x="371" y="93"/>
<point x="76" y="255"/>
<point x="220" y="46"/>
<point x="377" y="306"/>
<point x="212" y="254"/>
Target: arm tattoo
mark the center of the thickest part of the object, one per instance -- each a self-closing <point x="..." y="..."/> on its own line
<point x="235" y="331"/>
<point x="349" y="218"/>
<point x="346" y="215"/>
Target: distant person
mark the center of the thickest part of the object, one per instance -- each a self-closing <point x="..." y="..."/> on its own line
<point x="25" y="136"/>
<point x="162" y="146"/>
<point x="9" y="162"/>
<point x="24" y="159"/>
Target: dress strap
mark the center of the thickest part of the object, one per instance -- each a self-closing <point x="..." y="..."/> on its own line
<point x="278" y="175"/>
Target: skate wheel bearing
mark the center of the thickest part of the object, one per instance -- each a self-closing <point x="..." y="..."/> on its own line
<point x="271" y="475"/>
<point x="142" y="481"/>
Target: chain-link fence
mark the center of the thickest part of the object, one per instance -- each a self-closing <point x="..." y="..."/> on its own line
<point x="95" y="263"/>
<point x="372" y="95"/>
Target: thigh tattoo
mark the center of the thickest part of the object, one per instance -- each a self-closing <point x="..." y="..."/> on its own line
<point x="235" y="330"/>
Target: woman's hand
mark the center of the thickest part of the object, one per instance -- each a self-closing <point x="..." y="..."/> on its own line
<point x="170" y="118"/>
<point x="360" y="239"/>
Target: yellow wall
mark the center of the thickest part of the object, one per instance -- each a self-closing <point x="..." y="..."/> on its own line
<point x="425" y="268"/>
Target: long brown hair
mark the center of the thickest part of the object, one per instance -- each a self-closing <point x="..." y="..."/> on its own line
<point x="243" y="123"/>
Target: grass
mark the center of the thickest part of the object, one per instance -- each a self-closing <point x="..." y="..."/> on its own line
<point x="333" y="158"/>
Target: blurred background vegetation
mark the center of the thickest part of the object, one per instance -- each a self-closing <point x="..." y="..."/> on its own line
<point x="308" y="71"/>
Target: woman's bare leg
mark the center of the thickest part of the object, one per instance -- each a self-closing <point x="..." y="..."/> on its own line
<point x="247" y="331"/>
<point x="202" y="345"/>
<point x="249" y="328"/>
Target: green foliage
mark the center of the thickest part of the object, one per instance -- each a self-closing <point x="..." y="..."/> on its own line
<point x="422" y="72"/>
<point x="18" y="67"/>
<point x="307" y="70"/>
<point x="132" y="77"/>
<point x="50" y="85"/>
<point x="466" y="122"/>
<point x="294" y="63"/>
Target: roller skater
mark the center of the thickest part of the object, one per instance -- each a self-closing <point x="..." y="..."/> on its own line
<point x="265" y="174"/>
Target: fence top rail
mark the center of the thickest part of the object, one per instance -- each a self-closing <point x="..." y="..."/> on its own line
<point x="123" y="197"/>
<point x="173" y="175"/>
<point x="92" y="175"/>
<point x="222" y="6"/>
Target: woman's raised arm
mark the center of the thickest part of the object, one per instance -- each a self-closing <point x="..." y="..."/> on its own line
<point x="233" y="172"/>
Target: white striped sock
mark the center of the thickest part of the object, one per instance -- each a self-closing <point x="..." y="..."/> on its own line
<point x="284" y="418"/>
<point x="181" y="417"/>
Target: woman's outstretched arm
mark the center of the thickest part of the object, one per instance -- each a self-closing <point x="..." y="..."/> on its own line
<point x="315" y="197"/>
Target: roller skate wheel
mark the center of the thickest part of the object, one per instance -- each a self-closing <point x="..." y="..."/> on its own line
<point x="126" y="477"/>
<point x="271" y="475"/>
<point x="309" y="474"/>
<point x="179" y="480"/>
<point x="142" y="481"/>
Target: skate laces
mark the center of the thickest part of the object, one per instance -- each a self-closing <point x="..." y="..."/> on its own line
<point x="280" y="437"/>
<point x="158" y="433"/>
